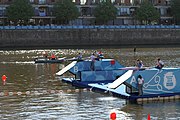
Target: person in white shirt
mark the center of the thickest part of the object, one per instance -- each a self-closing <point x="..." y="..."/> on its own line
<point x="140" y="85"/>
<point x="92" y="57"/>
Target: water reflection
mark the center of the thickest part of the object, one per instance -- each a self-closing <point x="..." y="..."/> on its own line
<point x="158" y="111"/>
<point x="33" y="91"/>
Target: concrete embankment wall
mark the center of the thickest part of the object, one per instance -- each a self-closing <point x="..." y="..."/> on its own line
<point x="88" y="38"/>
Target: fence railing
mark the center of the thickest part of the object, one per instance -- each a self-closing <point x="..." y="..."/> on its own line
<point x="92" y="27"/>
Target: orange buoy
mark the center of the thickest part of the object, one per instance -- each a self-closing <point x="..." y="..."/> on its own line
<point x="4" y="78"/>
<point x="113" y="116"/>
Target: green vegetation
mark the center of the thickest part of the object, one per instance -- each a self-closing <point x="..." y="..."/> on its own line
<point x="20" y="12"/>
<point x="147" y="13"/>
<point x="175" y="6"/>
<point x="104" y="12"/>
<point x="65" y="11"/>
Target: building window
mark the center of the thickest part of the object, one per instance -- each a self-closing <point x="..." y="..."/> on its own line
<point x="2" y="11"/>
<point x="42" y="1"/>
<point x="159" y="1"/>
<point x="163" y="11"/>
<point x="122" y="1"/>
<point x="42" y="12"/>
<point x="132" y="2"/>
<point x="83" y="2"/>
<point x="123" y="11"/>
<point x="31" y="1"/>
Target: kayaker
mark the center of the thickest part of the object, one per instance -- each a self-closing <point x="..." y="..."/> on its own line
<point x="45" y="54"/>
<point x="53" y="57"/>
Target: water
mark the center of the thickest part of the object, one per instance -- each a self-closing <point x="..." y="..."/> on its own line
<point x="33" y="91"/>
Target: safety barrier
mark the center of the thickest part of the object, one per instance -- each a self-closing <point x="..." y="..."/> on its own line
<point x="19" y="93"/>
<point x="92" y="27"/>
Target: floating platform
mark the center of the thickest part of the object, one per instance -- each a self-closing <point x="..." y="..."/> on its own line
<point x="111" y="77"/>
<point x="158" y="84"/>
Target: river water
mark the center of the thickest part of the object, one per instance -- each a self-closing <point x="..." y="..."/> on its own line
<point x="33" y="91"/>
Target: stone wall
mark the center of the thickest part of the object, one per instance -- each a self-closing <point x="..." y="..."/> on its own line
<point x="88" y="38"/>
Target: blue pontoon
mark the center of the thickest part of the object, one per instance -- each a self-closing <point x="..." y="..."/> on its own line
<point x="111" y="77"/>
<point x="106" y="70"/>
<point x="158" y="83"/>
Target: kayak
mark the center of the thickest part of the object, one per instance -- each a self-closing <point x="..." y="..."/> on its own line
<point x="45" y="60"/>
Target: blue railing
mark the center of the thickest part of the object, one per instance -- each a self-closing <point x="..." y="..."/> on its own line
<point x="92" y="27"/>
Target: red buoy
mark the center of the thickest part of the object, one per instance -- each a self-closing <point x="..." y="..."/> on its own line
<point x="148" y="118"/>
<point x="4" y="78"/>
<point x="113" y="116"/>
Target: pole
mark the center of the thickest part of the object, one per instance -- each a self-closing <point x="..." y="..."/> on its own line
<point x="135" y="56"/>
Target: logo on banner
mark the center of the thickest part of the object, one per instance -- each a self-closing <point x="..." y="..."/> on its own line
<point x="169" y="80"/>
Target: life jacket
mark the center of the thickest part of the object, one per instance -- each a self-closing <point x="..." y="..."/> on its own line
<point x="53" y="56"/>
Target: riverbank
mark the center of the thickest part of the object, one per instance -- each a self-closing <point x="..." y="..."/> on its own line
<point x="88" y="38"/>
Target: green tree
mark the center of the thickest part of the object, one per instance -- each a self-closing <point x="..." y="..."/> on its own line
<point x="65" y="11"/>
<point x="104" y="12"/>
<point x="175" y="6"/>
<point x="147" y="13"/>
<point x="20" y="12"/>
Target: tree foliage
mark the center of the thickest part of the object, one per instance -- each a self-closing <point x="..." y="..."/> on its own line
<point x="104" y="12"/>
<point x="147" y="13"/>
<point x="20" y="11"/>
<point x="175" y="6"/>
<point x="65" y="11"/>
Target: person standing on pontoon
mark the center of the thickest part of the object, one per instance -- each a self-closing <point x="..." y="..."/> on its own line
<point x="92" y="58"/>
<point x="160" y="64"/>
<point x="139" y="64"/>
<point x="53" y="57"/>
<point x="140" y="85"/>
<point x="100" y="55"/>
<point x="79" y="57"/>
